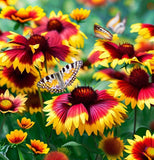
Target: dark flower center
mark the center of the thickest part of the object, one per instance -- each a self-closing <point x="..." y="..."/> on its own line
<point x="39" y="40"/>
<point x="126" y="49"/>
<point x="84" y="95"/>
<point x="6" y="104"/>
<point x="21" y="80"/>
<point x="113" y="146"/>
<point x="139" y="78"/>
<point x="118" y="75"/>
<point x="54" y="24"/>
<point x="1" y="32"/>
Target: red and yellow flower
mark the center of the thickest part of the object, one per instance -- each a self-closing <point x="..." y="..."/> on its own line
<point x="16" y="136"/>
<point x="141" y="148"/>
<point x="79" y="14"/>
<point x="19" y="82"/>
<point x="25" y="53"/>
<point x="38" y="147"/>
<point x="61" y="24"/>
<point x="106" y="52"/>
<point x="55" y="155"/>
<point x="9" y="103"/>
<point x="135" y="89"/>
<point x="25" y="123"/>
<point x="112" y="146"/>
<point x="84" y="109"/>
<point x="143" y="29"/>
<point x="22" y="15"/>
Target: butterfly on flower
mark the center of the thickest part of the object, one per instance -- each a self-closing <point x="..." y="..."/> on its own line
<point x="101" y="32"/>
<point x="116" y="25"/>
<point x="58" y="81"/>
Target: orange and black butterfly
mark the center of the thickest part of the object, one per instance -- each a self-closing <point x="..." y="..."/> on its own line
<point x="101" y="32"/>
<point x="58" y="81"/>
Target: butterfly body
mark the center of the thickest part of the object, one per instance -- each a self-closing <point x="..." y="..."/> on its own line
<point x="101" y="32"/>
<point x="58" y="81"/>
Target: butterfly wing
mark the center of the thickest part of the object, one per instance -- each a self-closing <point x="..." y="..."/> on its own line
<point x="58" y="81"/>
<point x="101" y="32"/>
<point x="120" y="27"/>
<point x="70" y="71"/>
<point x="51" y="83"/>
<point x="113" y="21"/>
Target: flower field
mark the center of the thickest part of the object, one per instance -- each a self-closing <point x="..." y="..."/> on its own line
<point x="76" y="80"/>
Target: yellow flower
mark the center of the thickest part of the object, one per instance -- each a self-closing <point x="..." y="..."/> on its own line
<point x="112" y="146"/>
<point x="79" y="14"/>
<point x="16" y="136"/>
<point x="9" y="103"/>
<point x="38" y="147"/>
<point x="25" y="123"/>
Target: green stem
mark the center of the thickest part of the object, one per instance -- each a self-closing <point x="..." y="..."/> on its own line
<point x="97" y="155"/>
<point x="34" y="157"/>
<point x="40" y="97"/>
<point x="3" y="122"/>
<point x="135" y="115"/>
<point x="20" y="154"/>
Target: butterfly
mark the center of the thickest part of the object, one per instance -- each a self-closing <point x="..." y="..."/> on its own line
<point x="58" y="81"/>
<point x="101" y="32"/>
<point x="116" y="25"/>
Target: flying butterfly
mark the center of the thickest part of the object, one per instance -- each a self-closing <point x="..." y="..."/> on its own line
<point x="58" y="81"/>
<point x="101" y="32"/>
<point x="116" y="25"/>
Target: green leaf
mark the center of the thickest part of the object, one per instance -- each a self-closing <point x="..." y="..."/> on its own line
<point x="17" y="25"/>
<point x="3" y="151"/>
<point x="72" y="143"/>
<point x="141" y="131"/>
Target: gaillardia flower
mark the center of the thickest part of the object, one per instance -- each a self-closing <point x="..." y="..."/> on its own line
<point x="66" y="29"/>
<point x="141" y="148"/>
<point x="84" y="109"/>
<point x="112" y="146"/>
<point x="25" y="123"/>
<point x="113" y="53"/>
<point x="135" y="89"/>
<point x="38" y="147"/>
<point x="55" y="155"/>
<point x="22" y="15"/>
<point x="33" y="104"/>
<point x="143" y="29"/>
<point x="19" y="82"/>
<point x="79" y="14"/>
<point x="25" y="53"/>
<point x="107" y="52"/>
<point x="16" y="136"/>
<point x="9" y="103"/>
